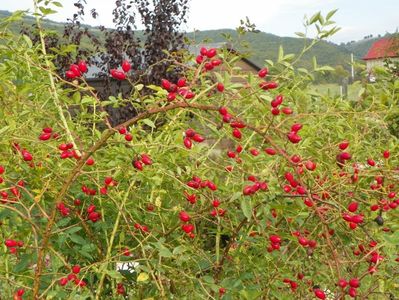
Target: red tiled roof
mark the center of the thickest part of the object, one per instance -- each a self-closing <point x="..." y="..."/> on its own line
<point x="387" y="47"/>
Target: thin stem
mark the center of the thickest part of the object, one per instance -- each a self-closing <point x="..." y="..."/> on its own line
<point x="111" y="241"/>
<point x="53" y="89"/>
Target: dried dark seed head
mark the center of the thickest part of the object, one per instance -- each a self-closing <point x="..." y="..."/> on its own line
<point x="379" y="220"/>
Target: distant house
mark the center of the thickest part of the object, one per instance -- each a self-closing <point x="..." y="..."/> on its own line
<point x="246" y="65"/>
<point x="379" y="51"/>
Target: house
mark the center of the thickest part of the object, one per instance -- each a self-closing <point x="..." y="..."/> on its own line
<point x="245" y="64"/>
<point x="381" y="50"/>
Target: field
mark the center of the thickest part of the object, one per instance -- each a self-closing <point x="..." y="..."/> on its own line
<point x="334" y="90"/>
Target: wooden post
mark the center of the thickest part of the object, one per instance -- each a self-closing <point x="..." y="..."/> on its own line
<point x="345" y="88"/>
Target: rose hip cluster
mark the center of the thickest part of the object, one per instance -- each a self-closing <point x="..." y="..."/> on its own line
<point x="385" y="204"/>
<point x="198" y="183"/>
<point x="353" y="219"/>
<point x="250" y="190"/>
<point x="303" y="240"/>
<point x="293" y="284"/>
<point x="13" y="245"/>
<point x="186" y="227"/>
<point x="18" y="294"/>
<point x="144" y="159"/>
<point x="216" y="211"/>
<point x="108" y="182"/>
<point x="15" y="191"/>
<point x="236" y="125"/>
<point x="178" y="88"/>
<point x="352" y="285"/>
<point x="293" y="136"/>
<point x="67" y="152"/>
<point x="142" y="228"/>
<point x="191" y="135"/>
<point x="26" y="155"/>
<point x="278" y="100"/>
<point x="207" y="57"/>
<point x="88" y="191"/>
<point x="299" y="189"/>
<point x="120" y="289"/>
<point x="72" y="277"/>
<point x="2" y="170"/>
<point x="121" y="75"/>
<point x="235" y="154"/>
<point x="128" y="135"/>
<point x="266" y="85"/>
<point x="192" y="198"/>
<point x="371" y="255"/>
<point x="275" y="243"/>
<point x="64" y="211"/>
<point x="343" y="156"/>
<point x="47" y="133"/>
<point x="92" y="214"/>
<point x="76" y="70"/>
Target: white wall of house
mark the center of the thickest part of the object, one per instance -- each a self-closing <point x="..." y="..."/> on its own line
<point x="370" y="64"/>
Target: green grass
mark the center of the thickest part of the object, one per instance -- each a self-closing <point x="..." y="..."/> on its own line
<point x="333" y="90"/>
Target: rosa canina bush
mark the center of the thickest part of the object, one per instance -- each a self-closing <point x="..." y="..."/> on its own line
<point x="252" y="190"/>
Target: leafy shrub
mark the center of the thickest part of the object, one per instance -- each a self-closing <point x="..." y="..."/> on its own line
<point x="275" y="193"/>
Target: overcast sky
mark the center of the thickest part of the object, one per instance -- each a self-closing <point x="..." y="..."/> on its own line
<point x="357" y="18"/>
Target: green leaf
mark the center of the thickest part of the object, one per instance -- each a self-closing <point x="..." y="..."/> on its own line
<point x="23" y="264"/>
<point x="58" y="4"/>
<point x="303" y="70"/>
<point x="289" y="57"/>
<point x="27" y="39"/>
<point x="280" y="53"/>
<point x="4" y="129"/>
<point x="208" y="279"/>
<point x="77" y="239"/>
<point x="139" y="87"/>
<point x="330" y="14"/>
<point x="148" y="122"/>
<point x="165" y="252"/>
<point x="235" y="196"/>
<point x="251" y="294"/>
<point x="219" y="77"/>
<point x="156" y="88"/>
<point x="325" y="68"/>
<point x="114" y="274"/>
<point x="73" y="230"/>
<point x="87" y="99"/>
<point x="314" y="62"/>
<point x="63" y="222"/>
<point x="269" y="62"/>
<point x="314" y="18"/>
<point x="89" y="248"/>
<point x="392" y="239"/>
<point x="300" y="34"/>
<point x="76" y="98"/>
<point x="85" y="254"/>
<point x="321" y="19"/>
<point x="179" y="250"/>
<point x="47" y="11"/>
<point x="246" y="207"/>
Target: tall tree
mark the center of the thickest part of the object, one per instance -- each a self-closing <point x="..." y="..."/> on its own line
<point x="160" y="20"/>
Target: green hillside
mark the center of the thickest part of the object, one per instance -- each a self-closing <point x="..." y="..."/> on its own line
<point x="49" y="24"/>
<point x="261" y="45"/>
<point x="265" y="46"/>
<point x="361" y="47"/>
